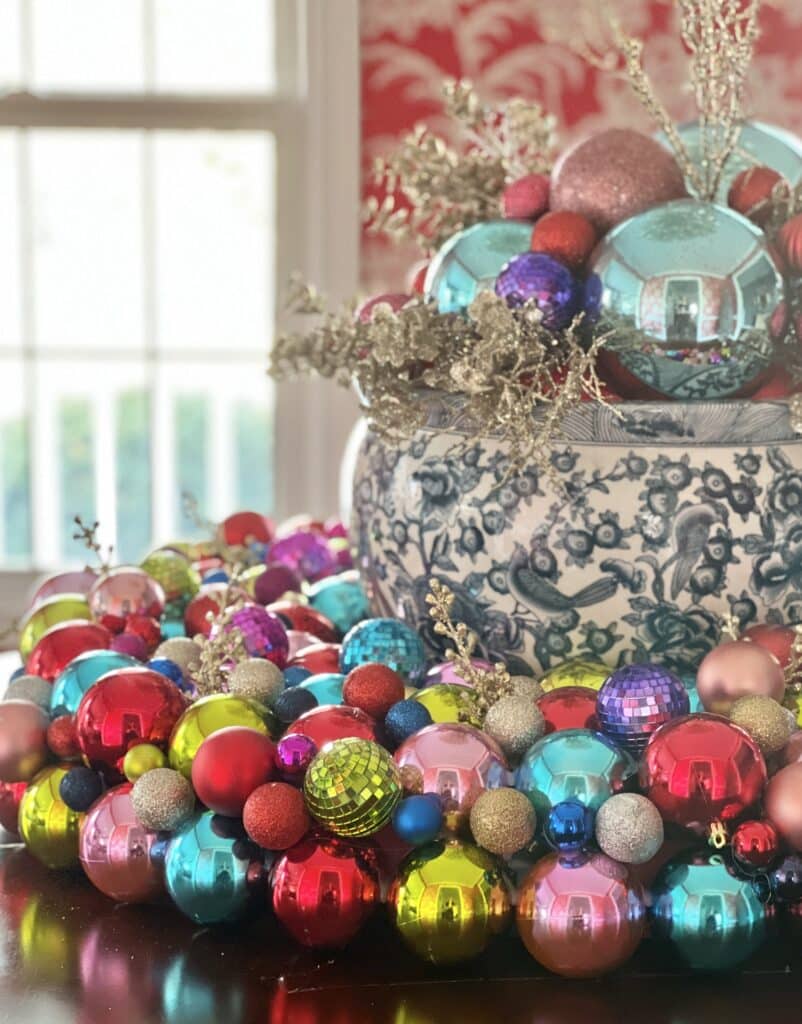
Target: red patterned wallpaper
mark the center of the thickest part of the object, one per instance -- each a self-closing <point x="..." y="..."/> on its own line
<point x="410" y="46"/>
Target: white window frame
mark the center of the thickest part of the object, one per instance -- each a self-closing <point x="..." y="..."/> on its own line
<point x="314" y="116"/>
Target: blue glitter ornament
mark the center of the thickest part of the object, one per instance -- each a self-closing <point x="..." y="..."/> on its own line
<point x="405" y="718"/>
<point x="637" y="699"/>
<point x="292" y="703"/>
<point x="341" y="598"/>
<point x="166" y="667"/>
<point x="418" y="819"/>
<point x="573" y="764"/>
<point x="386" y="641"/>
<point x="536" y="277"/>
<point x="569" y="826"/>
<point x="470" y="262"/>
<point x="327" y="687"/>
<point x="714" y="919"/>
<point x="295" y="674"/>
<point x="81" y="673"/>
<point x="205" y="875"/>
<point x="80" y="787"/>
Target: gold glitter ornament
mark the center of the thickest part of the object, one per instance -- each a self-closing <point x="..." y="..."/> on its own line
<point x="629" y="828"/>
<point x="258" y="679"/>
<point x="577" y="672"/>
<point x="208" y="715"/>
<point x="142" y="758"/>
<point x="448" y="901"/>
<point x="503" y="821"/>
<point x="48" y="827"/>
<point x="352" y="787"/>
<point x="447" y="702"/>
<point x="162" y="799"/>
<point x="514" y="722"/>
<point x="183" y="651"/>
<point x="525" y="686"/>
<point x="765" y="720"/>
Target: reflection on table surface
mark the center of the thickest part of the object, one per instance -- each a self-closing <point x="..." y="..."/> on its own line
<point x="67" y="954"/>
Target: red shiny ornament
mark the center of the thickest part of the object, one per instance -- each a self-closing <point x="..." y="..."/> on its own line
<point x="62" y="738"/>
<point x="526" y="198"/>
<point x="702" y="768"/>
<point x="581" y="916"/>
<point x="10" y="796"/>
<point x="415" y="279"/>
<point x="395" y="300"/>
<point x="303" y="618"/>
<point x="777" y="640"/>
<point x="789" y="244"/>
<point x="755" y="845"/>
<point x="334" y="722"/>
<point x="324" y="889"/>
<point x="566" y="236"/>
<point x="275" y="816"/>
<point x="123" y="708"/>
<point x="147" y="629"/>
<point x="245" y="528"/>
<point x="126" y="591"/>
<point x="317" y="658"/>
<point x="60" y="644"/>
<point x="114" y="623"/>
<point x="778" y="321"/>
<point x="208" y="601"/>
<point x="374" y="688"/>
<point x="229" y="765"/>
<point x="569" y="707"/>
<point x="750" y="193"/>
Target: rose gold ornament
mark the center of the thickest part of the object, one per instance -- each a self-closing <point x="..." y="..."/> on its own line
<point x="23" y="740"/>
<point x="782" y="803"/>
<point x="736" y="669"/>
<point x="792" y="751"/>
<point x="777" y="640"/>
<point x="126" y="591"/>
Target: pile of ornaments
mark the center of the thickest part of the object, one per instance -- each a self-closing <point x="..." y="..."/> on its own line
<point x="336" y="768"/>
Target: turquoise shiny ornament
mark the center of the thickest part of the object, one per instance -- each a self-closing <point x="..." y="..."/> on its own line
<point x="341" y="598"/>
<point x="206" y="869"/>
<point x="693" y="288"/>
<point x="81" y="673"/>
<point x="470" y="261"/>
<point x="386" y="641"/>
<point x="573" y="764"/>
<point x="326" y="686"/>
<point x="713" y="918"/>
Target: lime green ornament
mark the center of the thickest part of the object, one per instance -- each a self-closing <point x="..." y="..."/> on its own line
<point x="178" y="578"/>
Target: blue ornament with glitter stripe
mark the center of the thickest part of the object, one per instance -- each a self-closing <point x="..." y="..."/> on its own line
<point x="388" y="642"/>
<point x="635" y="701"/>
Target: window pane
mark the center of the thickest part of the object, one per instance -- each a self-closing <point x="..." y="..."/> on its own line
<point x="10" y="45"/>
<point x="214" y="240"/>
<point x="87" y="45"/>
<point x="15" y="529"/>
<point x="133" y="482"/>
<point x="11" y="304"/>
<point x="209" y="46"/>
<point x="191" y="456"/>
<point x="88" y="239"/>
<point x="254" y="483"/>
<point x="76" y="462"/>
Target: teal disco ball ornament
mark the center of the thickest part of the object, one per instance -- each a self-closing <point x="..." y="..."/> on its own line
<point x="81" y="673"/>
<point x="713" y="918"/>
<point x="573" y="764"/>
<point x="470" y="261"/>
<point x="689" y="289"/>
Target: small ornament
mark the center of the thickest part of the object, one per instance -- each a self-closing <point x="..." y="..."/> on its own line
<point x="262" y="632"/>
<point x="526" y="198"/>
<point x="613" y="176"/>
<point x="341" y="599"/>
<point x="534" y="277"/>
<point x="258" y="679"/>
<point x="228" y="767"/>
<point x="115" y="850"/>
<point x="11" y="794"/>
<point x="766" y="721"/>
<point x="326" y="687"/>
<point x="245" y="528"/>
<point x="274" y="582"/>
<point x="568" y="826"/>
<point x="30" y="688"/>
<point x="307" y="554"/>
<point x="566" y="236"/>
<point x="629" y="828"/>
<point x="736" y="669"/>
<point x="275" y="816"/>
<point x="352" y="787"/>
<point x="755" y="845"/>
<point x="636" y="700"/>
<point x="389" y="642"/>
<point x="374" y="688"/>
<point x="62" y="643"/>
<point x="324" y="889"/>
<point x="126" y="591"/>
<point x="750" y="193"/>
<point x="294" y="753"/>
<point x="144" y="757"/>
<point x="80" y="787"/>
<point x="568" y="707"/>
<point x="448" y="901"/>
<point x="207" y="716"/>
<point x="174" y="573"/>
<point x="47" y="826"/>
<point x="712" y="918"/>
<point x="162" y="799"/>
<point x="782" y="803"/>
<point x="183" y="651"/>
<point x="515" y="723"/>
<point x="62" y="739"/>
<point x="50" y="612"/>
<point x="580" y="916"/>
<point x="207" y="871"/>
<point x="293" y="703"/>
<point x="417" y="820"/>
<point x="502" y="821"/>
<point x="406" y="718"/>
<point x="789" y="245"/>
<point x="23" y="740"/>
<point x="578" y="672"/>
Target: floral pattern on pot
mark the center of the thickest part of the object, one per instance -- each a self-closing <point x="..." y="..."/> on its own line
<point x="661" y="518"/>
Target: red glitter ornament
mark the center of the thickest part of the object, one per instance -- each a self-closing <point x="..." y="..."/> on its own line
<point x="61" y="643"/>
<point x="10" y="796"/>
<point x="245" y="528"/>
<point x="789" y="244"/>
<point x="305" y="620"/>
<point x="526" y="198"/>
<point x="318" y="658"/>
<point x="146" y="628"/>
<point x="229" y="765"/>
<point x="334" y="722"/>
<point x="777" y="640"/>
<point x="569" y="707"/>
<point x="275" y="816"/>
<point x="755" y="845"/>
<point x="324" y="889"/>
<point x="566" y="236"/>
<point x="62" y="738"/>
<point x="374" y="688"/>
<point x="750" y="192"/>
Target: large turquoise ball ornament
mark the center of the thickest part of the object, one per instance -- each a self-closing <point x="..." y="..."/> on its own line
<point x="470" y="261"/>
<point x="712" y="917"/>
<point x="690" y="289"/>
<point x="208" y="869"/>
<point x="389" y="642"/>
<point x="574" y="764"/>
<point x="342" y="599"/>
<point x="81" y="673"/>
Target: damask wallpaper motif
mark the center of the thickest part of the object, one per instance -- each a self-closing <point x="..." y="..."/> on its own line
<point x="410" y="46"/>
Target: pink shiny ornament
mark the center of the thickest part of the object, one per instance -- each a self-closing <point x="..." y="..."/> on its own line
<point x="60" y="644"/>
<point x="777" y="640"/>
<point x="334" y="722"/>
<point x="294" y="754"/>
<point x="446" y="672"/>
<point x="126" y="591"/>
<point x="10" y="795"/>
<point x="299" y="641"/>
<point x="782" y="804"/>
<point x="79" y="582"/>
<point x="115" y="849"/>
<point x="456" y="763"/>
<point x="130" y="644"/>
<point x="244" y="528"/>
<point x="581" y="916"/>
<point x="318" y="658"/>
<point x="23" y="740"/>
<point x="792" y="751"/>
<point x="613" y="175"/>
<point x="569" y="707"/>
<point x="395" y="300"/>
<point x="738" y="668"/>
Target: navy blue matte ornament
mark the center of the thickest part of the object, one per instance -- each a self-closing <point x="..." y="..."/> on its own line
<point x="418" y="819"/>
<point x="295" y="674"/>
<point x="569" y="826"/>
<point x="291" y="704"/>
<point x="405" y="718"/>
<point x="80" y="787"/>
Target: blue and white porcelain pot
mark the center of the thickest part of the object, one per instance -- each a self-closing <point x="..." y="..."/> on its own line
<point x="669" y="516"/>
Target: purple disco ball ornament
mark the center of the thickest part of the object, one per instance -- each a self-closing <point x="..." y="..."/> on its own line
<point x="263" y="633"/>
<point x="534" y="276"/>
<point x="637" y="699"/>
<point x="308" y="555"/>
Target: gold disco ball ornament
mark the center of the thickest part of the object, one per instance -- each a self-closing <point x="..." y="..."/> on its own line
<point x="577" y="672"/>
<point x="48" y="827"/>
<point x="448" y="901"/>
<point x="352" y="787"/>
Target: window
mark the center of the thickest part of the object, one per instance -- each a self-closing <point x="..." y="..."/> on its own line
<point x="164" y="166"/>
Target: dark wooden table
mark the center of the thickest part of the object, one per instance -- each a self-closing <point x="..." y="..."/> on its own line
<point x="70" y="955"/>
